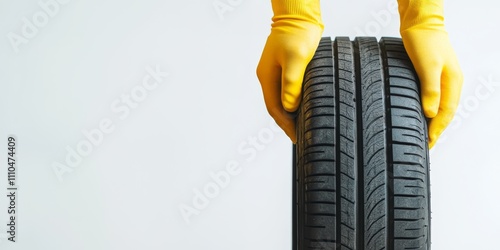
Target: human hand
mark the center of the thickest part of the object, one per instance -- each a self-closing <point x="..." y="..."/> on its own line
<point x="295" y="35"/>
<point x="428" y="46"/>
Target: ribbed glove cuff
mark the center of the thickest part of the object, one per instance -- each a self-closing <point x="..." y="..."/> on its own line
<point x="426" y="14"/>
<point x="306" y="10"/>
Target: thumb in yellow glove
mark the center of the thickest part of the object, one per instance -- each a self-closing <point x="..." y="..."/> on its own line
<point x="428" y="46"/>
<point x="295" y="35"/>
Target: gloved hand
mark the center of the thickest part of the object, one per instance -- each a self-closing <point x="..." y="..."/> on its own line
<point x="295" y="34"/>
<point x="428" y="46"/>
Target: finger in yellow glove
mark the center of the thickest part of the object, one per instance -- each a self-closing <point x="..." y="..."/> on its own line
<point x="428" y="46"/>
<point x="295" y="35"/>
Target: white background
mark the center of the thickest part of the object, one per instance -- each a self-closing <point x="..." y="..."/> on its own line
<point x="127" y="192"/>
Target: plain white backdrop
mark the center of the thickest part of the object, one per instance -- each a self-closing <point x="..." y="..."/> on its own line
<point x="203" y="128"/>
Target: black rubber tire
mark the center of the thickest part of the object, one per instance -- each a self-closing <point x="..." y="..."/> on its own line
<point x="361" y="163"/>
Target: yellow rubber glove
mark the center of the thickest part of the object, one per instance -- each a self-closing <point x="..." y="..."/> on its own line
<point x="428" y="46"/>
<point x="295" y="34"/>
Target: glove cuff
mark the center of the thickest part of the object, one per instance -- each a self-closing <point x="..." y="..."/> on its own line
<point x="305" y="10"/>
<point x="425" y="14"/>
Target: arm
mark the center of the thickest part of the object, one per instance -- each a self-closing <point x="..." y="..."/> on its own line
<point x="429" y="48"/>
<point x="295" y="34"/>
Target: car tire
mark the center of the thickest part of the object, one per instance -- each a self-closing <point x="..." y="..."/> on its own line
<point x="361" y="162"/>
